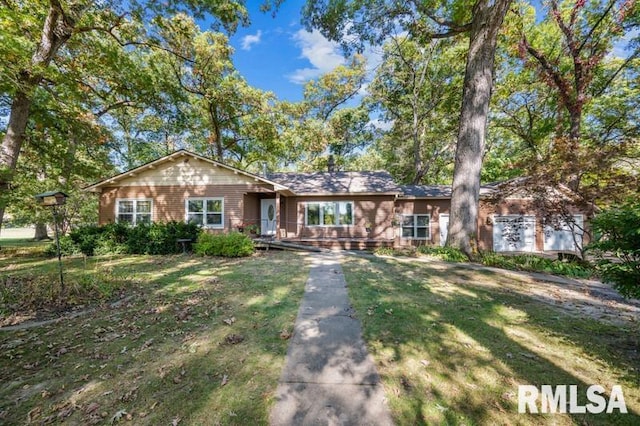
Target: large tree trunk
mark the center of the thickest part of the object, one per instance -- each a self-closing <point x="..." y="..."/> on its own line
<point x="41" y="232"/>
<point x="478" y="82"/>
<point x="57" y="29"/>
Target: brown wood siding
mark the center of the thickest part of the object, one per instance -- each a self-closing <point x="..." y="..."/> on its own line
<point x="168" y="201"/>
<point x="378" y="210"/>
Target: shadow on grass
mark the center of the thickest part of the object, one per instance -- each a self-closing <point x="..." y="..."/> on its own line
<point x="168" y="353"/>
<point x="478" y="344"/>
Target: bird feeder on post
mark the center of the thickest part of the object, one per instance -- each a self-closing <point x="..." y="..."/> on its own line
<point x="55" y="199"/>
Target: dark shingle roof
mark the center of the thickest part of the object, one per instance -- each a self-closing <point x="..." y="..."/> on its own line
<point x="437" y="191"/>
<point x="377" y="182"/>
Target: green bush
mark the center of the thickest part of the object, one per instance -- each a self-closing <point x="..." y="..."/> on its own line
<point x="120" y="238"/>
<point x="67" y="247"/>
<point x="618" y="234"/>
<point x="384" y="251"/>
<point x="448" y="254"/>
<point x="533" y="263"/>
<point x="233" y="244"/>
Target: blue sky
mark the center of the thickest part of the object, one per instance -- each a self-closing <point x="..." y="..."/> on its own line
<point x="278" y="54"/>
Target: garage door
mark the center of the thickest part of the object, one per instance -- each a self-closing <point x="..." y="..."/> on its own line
<point x="564" y="236"/>
<point x="514" y="233"/>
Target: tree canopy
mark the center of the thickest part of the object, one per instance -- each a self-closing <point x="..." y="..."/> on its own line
<point x="463" y="91"/>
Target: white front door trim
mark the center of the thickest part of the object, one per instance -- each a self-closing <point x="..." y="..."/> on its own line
<point x="268" y="216"/>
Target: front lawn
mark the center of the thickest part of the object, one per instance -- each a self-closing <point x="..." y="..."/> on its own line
<point x="452" y="344"/>
<point x="164" y="339"/>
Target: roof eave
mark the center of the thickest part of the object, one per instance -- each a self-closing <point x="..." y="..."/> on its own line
<point x="346" y="194"/>
<point x="180" y="153"/>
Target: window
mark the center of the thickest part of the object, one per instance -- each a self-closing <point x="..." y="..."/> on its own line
<point x="415" y="227"/>
<point x="134" y="211"/>
<point x="208" y="212"/>
<point x="338" y="213"/>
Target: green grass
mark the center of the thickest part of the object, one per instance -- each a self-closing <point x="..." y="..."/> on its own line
<point x="514" y="262"/>
<point x="195" y="339"/>
<point x="453" y="344"/>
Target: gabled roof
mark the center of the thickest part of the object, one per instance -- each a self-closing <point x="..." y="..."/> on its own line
<point x="172" y="157"/>
<point x="333" y="183"/>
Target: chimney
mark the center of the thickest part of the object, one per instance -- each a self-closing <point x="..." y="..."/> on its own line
<point x="331" y="164"/>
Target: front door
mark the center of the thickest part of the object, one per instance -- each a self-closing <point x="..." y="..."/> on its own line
<point x="443" y="224"/>
<point x="268" y="216"/>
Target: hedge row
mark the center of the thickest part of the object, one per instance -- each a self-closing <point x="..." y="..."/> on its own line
<point x="154" y="238"/>
<point x="121" y="238"/>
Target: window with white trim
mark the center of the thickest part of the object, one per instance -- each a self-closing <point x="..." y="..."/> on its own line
<point x="338" y="213"/>
<point x="207" y="212"/>
<point x="134" y="211"/>
<point x="416" y="227"/>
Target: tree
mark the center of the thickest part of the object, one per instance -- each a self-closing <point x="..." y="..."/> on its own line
<point x="325" y="120"/>
<point x="417" y="90"/>
<point x="619" y="235"/>
<point x="572" y="103"/>
<point x="38" y="33"/>
<point x="584" y="33"/>
<point x="354" y="23"/>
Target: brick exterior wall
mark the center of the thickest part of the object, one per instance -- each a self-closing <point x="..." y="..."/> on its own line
<point x="378" y="210"/>
<point x="169" y="201"/>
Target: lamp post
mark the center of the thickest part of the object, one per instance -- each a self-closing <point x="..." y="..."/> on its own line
<point x="54" y="199"/>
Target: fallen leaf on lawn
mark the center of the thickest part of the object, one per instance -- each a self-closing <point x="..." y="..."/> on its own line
<point x="91" y="407"/>
<point x="225" y="380"/>
<point x="425" y="362"/>
<point x="146" y="344"/>
<point x="66" y="411"/>
<point x="233" y="339"/>
<point x="34" y="414"/>
<point x="177" y="379"/>
<point x="118" y="416"/>
<point x="284" y="334"/>
<point x="175" y="421"/>
<point x="229" y="321"/>
<point x="45" y="394"/>
<point x="441" y="408"/>
<point x="130" y="395"/>
<point x="388" y="311"/>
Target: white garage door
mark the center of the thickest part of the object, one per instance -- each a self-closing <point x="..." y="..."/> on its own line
<point x="514" y="233"/>
<point x="563" y="235"/>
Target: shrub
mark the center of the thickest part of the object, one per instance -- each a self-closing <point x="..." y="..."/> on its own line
<point x="384" y="251"/>
<point x="120" y="238"/>
<point x="618" y="234"/>
<point x="448" y="254"/>
<point x="233" y="244"/>
<point x="533" y="263"/>
<point x="67" y="247"/>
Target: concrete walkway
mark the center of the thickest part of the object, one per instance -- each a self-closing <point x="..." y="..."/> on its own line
<point x="328" y="378"/>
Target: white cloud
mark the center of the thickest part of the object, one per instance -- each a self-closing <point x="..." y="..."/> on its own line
<point x="381" y="125"/>
<point x="324" y="56"/>
<point x="250" y="40"/>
